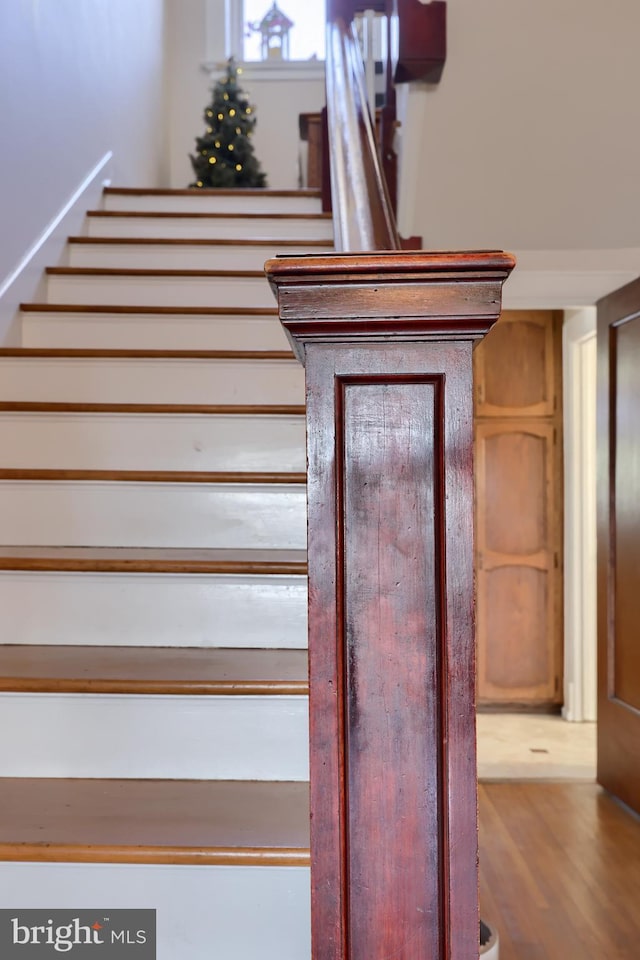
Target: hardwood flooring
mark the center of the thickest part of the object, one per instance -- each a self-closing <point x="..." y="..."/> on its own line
<point x="559" y="872"/>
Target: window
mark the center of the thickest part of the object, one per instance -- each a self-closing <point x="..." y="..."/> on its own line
<point x="306" y="39"/>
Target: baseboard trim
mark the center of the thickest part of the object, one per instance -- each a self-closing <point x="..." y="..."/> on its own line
<point x="27" y="279"/>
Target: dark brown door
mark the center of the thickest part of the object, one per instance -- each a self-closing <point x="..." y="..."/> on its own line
<point x="518" y="470"/>
<point x="619" y="544"/>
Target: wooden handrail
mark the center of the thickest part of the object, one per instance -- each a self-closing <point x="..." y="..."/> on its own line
<point x="363" y="216"/>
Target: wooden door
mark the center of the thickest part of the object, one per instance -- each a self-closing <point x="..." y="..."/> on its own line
<point x="518" y="434"/>
<point x="619" y="544"/>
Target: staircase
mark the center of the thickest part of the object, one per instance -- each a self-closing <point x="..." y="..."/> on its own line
<point x="153" y="675"/>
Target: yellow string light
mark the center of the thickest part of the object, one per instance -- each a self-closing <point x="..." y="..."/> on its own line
<point x="199" y="183"/>
<point x="230" y="147"/>
<point x="226" y="96"/>
<point x="209" y="113"/>
<point x="238" y="131"/>
<point x="239" y="70"/>
<point x="218" y="144"/>
<point x="232" y="113"/>
<point x="238" y="166"/>
<point x="209" y="129"/>
<point x="221" y="116"/>
<point x="212" y="159"/>
<point x="248" y="109"/>
<point x="204" y="153"/>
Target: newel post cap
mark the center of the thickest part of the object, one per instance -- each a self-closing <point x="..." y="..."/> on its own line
<point x="395" y="295"/>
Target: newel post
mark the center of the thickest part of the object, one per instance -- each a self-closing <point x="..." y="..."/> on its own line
<point x="387" y="342"/>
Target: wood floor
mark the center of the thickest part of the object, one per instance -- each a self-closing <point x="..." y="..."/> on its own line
<point x="559" y="872"/>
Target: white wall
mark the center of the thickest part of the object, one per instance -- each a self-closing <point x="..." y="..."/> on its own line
<point x="188" y="84"/>
<point x="196" y="31"/>
<point x="77" y="78"/>
<point x="531" y="140"/>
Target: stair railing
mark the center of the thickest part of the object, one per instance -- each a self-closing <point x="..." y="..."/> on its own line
<point x="386" y="337"/>
<point x="363" y="216"/>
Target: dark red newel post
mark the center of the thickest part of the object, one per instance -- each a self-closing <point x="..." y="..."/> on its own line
<point x="387" y="342"/>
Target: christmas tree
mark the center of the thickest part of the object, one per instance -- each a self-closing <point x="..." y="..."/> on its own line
<point x="224" y="155"/>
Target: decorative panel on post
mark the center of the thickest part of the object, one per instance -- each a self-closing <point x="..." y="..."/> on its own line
<point x="386" y="340"/>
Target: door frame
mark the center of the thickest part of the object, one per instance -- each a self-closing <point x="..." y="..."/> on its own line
<point x="580" y="625"/>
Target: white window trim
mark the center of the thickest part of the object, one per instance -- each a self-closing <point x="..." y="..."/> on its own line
<point x="255" y="70"/>
<point x="234" y="27"/>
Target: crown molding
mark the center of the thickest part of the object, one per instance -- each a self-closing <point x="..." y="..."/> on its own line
<point x="567" y="279"/>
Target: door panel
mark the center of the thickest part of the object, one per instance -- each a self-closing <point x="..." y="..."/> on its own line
<point x="513" y="458"/>
<point x="518" y="585"/>
<point x="619" y="544"/>
<point x="515" y="367"/>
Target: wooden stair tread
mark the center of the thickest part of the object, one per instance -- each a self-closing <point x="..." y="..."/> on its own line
<point x="142" y="272"/>
<point x="211" y="192"/>
<point x="199" y="215"/>
<point x="153" y="670"/>
<point x="153" y="560"/>
<point x="154" y="821"/>
<point x="148" y="311"/>
<point x="151" y="476"/>
<point x="198" y="242"/>
<point x="26" y="406"/>
<point x="137" y="354"/>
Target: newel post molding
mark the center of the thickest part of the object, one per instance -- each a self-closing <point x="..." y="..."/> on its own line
<point x="387" y="343"/>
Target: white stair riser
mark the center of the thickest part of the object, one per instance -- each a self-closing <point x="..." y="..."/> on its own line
<point x="94" y="380"/>
<point x="154" y="610"/>
<point x="198" y="202"/>
<point x="152" y="514"/>
<point x="163" y="331"/>
<point x="136" y="291"/>
<point x="154" y="737"/>
<point x="179" y="257"/>
<point x="242" y="913"/>
<point x="152" y="441"/>
<point x="215" y="228"/>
